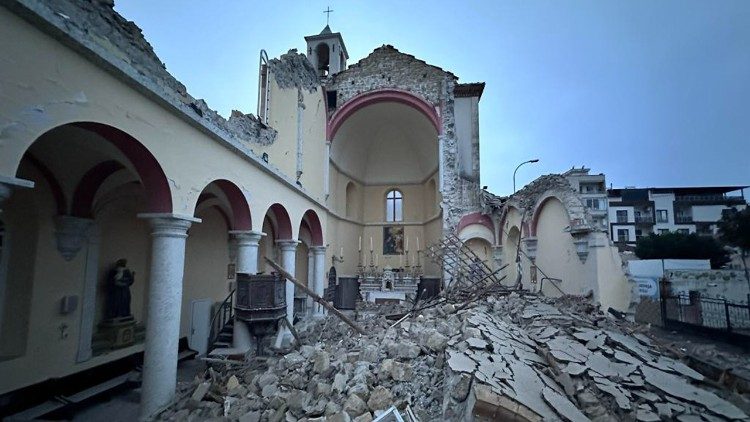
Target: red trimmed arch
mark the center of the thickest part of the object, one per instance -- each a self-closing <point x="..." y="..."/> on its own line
<point x="241" y="219"/>
<point x="158" y="195"/>
<point x="540" y="207"/>
<point x="283" y="227"/>
<point x="316" y="229"/>
<point x="475" y="218"/>
<point x="380" y="96"/>
<point x="237" y="212"/>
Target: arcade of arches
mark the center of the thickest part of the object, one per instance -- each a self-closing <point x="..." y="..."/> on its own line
<point x="104" y="158"/>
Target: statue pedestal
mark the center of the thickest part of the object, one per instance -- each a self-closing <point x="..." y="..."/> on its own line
<point x="120" y="332"/>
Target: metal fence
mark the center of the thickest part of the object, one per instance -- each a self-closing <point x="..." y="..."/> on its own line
<point x="710" y="313"/>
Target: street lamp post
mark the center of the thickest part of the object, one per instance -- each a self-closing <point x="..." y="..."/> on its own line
<point x="535" y="160"/>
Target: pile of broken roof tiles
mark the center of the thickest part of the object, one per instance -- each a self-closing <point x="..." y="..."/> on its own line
<point x="529" y="360"/>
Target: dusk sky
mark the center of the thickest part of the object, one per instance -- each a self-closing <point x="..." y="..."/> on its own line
<point x="651" y="93"/>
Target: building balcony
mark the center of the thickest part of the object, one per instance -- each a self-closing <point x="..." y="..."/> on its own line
<point x="644" y="219"/>
<point x="711" y="199"/>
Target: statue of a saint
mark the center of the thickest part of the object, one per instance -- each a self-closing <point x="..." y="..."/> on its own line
<point x="119" y="280"/>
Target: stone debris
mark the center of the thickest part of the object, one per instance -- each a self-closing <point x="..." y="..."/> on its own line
<point x="518" y="357"/>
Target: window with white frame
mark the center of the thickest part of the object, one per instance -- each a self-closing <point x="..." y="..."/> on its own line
<point x="622" y="235"/>
<point x="662" y="216"/>
<point x="622" y="216"/>
<point x="394" y="206"/>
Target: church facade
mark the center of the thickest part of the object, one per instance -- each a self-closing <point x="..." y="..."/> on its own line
<point x="105" y="156"/>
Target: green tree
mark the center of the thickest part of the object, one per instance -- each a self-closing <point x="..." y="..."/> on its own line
<point x="682" y="246"/>
<point x="734" y="229"/>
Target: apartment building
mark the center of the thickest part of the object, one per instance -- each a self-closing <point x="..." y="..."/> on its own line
<point x="636" y="212"/>
<point x="593" y="191"/>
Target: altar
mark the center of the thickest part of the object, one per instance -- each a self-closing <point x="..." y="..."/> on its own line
<point x="389" y="284"/>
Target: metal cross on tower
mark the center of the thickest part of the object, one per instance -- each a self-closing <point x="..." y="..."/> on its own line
<point x="328" y="13"/>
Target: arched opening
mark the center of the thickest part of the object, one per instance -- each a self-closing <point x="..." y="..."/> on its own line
<point x="482" y="249"/>
<point x="510" y="252"/>
<point x="386" y="143"/>
<point x="59" y="280"/>
<point x="209" y="258"/>
<point x="322" y="52"/>
<point x="278" y="226"/>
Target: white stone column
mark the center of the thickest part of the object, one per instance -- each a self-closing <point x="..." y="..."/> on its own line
<point x="247" y="250"/>
<point x="288" y="261"/>
<point x="288" y="258"/>
<point x="310" y="279"/>
<point x="247" y="262"/>
<point x="319" y="277"/>
<point x="169" y="233"/>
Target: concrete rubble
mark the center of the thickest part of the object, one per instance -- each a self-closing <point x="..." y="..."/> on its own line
<point x="518" y="357"/>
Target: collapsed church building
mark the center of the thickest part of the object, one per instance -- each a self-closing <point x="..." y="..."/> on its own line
<point x="131" y="212"/>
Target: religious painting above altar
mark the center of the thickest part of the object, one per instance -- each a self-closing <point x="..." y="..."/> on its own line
<point x="393" y="240"/>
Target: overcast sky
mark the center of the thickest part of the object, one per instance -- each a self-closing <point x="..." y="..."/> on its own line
<point x="651" y="93"/>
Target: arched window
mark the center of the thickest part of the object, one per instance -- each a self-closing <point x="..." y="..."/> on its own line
<point x="323" y="56"/>
<point x="394" y="206"/>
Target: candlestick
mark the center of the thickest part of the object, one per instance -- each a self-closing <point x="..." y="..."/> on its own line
<point x="407" y="244"/>
<point x="417" y="244"/>
<point x="376" y="260"/>
<point x="370" y="243"/>
<point x="360" y="244"/>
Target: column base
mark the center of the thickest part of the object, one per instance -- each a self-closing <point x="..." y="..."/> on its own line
<point x="284" y="337"/>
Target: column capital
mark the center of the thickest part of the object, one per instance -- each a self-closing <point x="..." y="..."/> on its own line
<point x="318" y="250"/>
<point x="288" y="244"/>
<point x="250" y="237"/>
<point x="168" y="224"/>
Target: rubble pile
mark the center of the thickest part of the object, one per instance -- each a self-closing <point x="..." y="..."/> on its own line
<point x="334" y="376"/>
<point x="518" y="357"/>
<point x="531" y="359"/>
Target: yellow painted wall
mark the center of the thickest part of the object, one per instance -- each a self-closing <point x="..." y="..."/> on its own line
<point x="556" y="252"/>
<point x="206" y="261"/>
<point x="51" y="85"/>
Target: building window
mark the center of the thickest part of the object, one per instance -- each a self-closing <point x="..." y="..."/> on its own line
<point x="622" y="235"/>
<point x="638" y="234"/>
<point x="394" y="206"/>
<point x="662" y="216"/>
<point x="663" y="231"/>
<point x="596" y="204"/>
<point x="622" y="216"/>
<point x="683" y="231"/>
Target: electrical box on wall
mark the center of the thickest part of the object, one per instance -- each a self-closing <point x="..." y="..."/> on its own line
<point x="68" y="304"/>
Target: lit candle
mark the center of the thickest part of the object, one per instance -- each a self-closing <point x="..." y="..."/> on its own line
<point x="376" y="260"/>
<point x="341" y="254"/>
<point x="360" y="244"/>
<point x="417" y="243"/>
<point x="407" y="243"/>
<point x="370" y="243"/>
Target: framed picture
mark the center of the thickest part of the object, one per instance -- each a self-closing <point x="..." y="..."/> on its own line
<point x="393" y="240"/>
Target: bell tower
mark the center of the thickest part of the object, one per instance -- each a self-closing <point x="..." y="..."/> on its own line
<point x="327" y="52"/>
